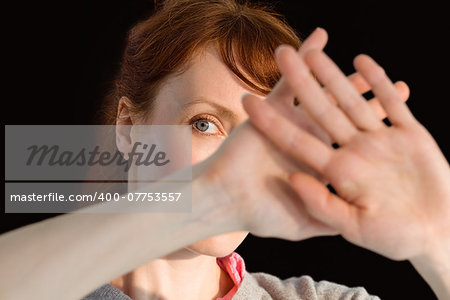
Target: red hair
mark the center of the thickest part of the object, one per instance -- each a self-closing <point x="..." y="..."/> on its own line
<point x="245" y="34"/>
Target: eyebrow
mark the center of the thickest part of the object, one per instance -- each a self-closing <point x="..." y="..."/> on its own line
<point x="222" y="110"/>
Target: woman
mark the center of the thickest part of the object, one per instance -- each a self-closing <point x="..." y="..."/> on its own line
<point x="197" y="78"/>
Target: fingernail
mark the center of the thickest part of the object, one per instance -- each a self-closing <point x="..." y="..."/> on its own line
<point x="244" y="94"/>
<point x="278" y="49"/>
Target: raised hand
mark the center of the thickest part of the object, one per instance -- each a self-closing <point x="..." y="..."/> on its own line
<point x="262" y="189"/>
<point x="392" y="182"/>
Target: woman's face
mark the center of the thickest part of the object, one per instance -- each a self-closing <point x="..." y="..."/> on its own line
<point x="208" y="97"/>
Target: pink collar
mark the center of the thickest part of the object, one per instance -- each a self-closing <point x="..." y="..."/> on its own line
<point x="234" y="265"/>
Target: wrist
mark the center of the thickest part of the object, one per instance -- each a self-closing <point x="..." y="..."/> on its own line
<point x="434" y="266"/>
<point x="212" y="203"/>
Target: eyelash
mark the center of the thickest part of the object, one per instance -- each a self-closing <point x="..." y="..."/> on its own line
<point x="208" y="118"/>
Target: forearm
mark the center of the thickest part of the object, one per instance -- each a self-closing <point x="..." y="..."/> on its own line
<point x="434" y="267"/>
<point x="70" y="255"/>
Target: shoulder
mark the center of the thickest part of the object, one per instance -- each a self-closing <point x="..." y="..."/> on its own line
<point x="266" y="286"/>
<point x="106" y="292"/>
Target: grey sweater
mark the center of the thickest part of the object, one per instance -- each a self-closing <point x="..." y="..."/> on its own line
<point x="265" y="286"/>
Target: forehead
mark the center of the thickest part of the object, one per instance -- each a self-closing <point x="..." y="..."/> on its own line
<point x="206" y="73"/>
<point x="205" y="77"/>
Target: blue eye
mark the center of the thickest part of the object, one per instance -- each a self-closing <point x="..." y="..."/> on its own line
<point x="203" y="125"/>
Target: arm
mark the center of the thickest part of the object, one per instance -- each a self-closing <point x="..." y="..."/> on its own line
<point x="434" y="267"/>
<point x="392" y="183"/>
<point x="72" y="254"/>
<point x="67" y="256"/>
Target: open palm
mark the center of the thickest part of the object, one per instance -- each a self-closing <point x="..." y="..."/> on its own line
<point x="253" y="174"/>
<point x="392" y="182"/>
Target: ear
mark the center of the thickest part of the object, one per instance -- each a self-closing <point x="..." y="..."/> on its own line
<point x="124" y="123"/>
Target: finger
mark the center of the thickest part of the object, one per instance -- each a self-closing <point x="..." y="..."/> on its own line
<point x="312" y="97"/>
<point x="282" y="101"/>
<point x="282" y="98"/>
<point x="281" y="91"/>
<point x="316" y="40"/>
<point x="317" y="228"/>
<point x="362" y="86"/>
<point x="348" y="98"/>
<point x="358" y="82"/>
<point x="285" y="135"/>
<point x="324" y="205"/>
<point x="397" y="111"/>
<point x="375" y="105"/>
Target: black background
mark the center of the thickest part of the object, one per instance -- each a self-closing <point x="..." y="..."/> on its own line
<point x="60" y="57"/>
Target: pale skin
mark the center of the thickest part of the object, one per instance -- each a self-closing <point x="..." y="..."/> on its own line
<point x="392" y="182"/>
<point x="222" y="203"/>
<point x="183" y="99"/>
